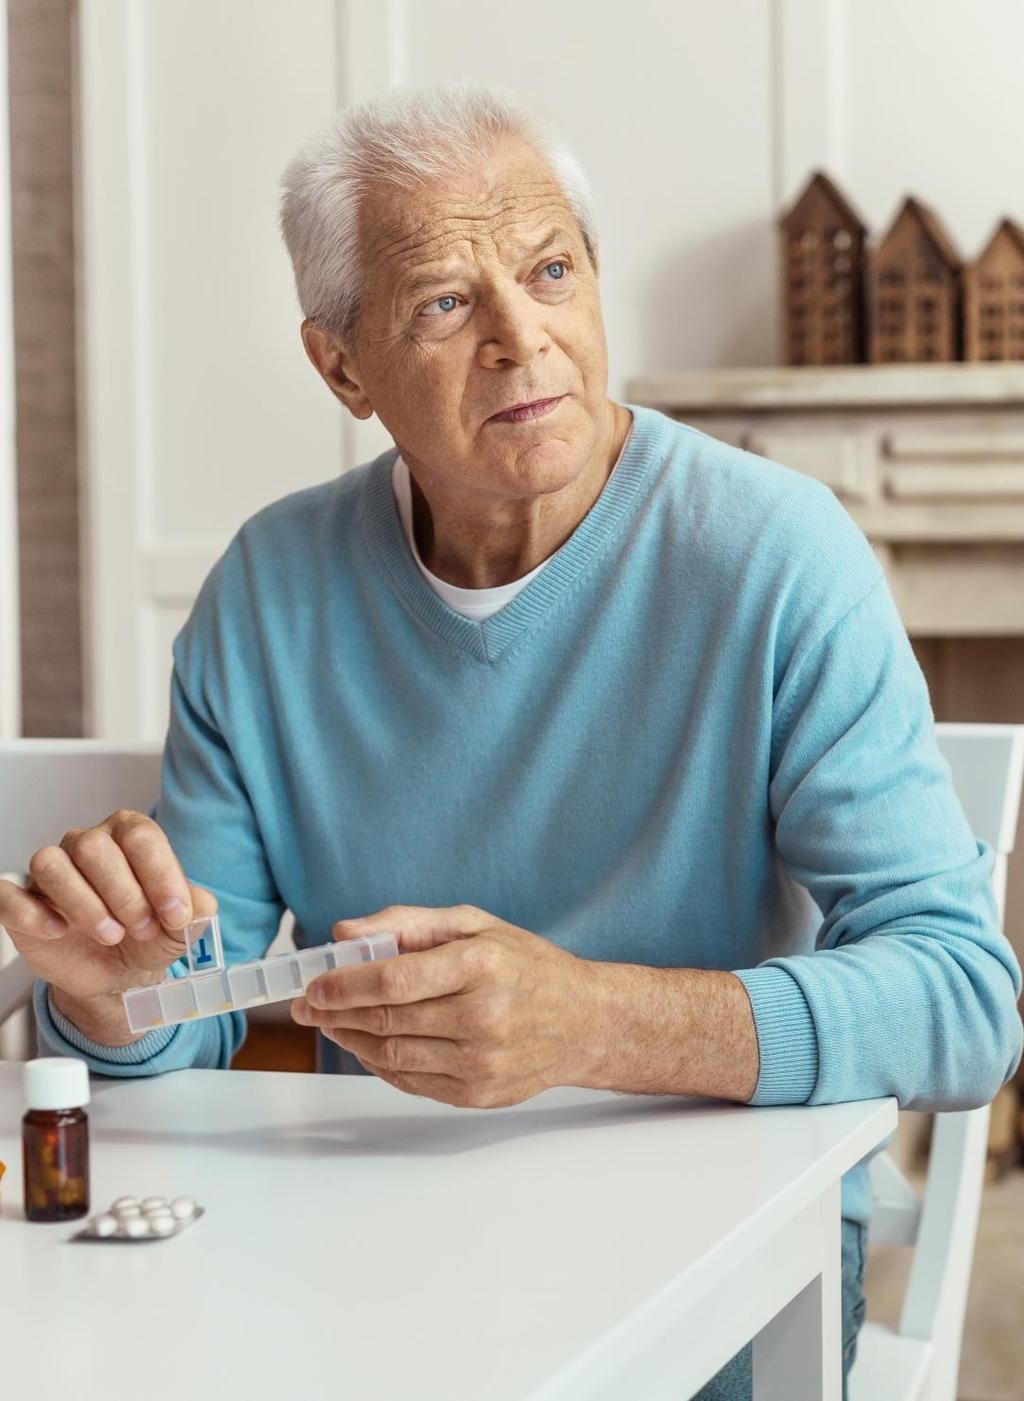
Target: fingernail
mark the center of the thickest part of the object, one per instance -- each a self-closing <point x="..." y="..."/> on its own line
<point x="300" y="1009"/>
<point x="109" y="930"/>
<point x="145" y="929"/>
<point x="315" y="995"/>
<point x="175" y="912"/>
<point x="55" y="926"/>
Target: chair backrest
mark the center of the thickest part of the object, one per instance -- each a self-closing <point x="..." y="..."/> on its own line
<point x="48" y="786"/>
<point x="987" y="767"/>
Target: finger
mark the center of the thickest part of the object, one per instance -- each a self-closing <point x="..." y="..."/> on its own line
<point x="444" y="1088"/>
<point x="156" y="867"/>
<point x="441" y="1016"/>
<point x="56" y="878"/>
<point x="417" y="927"/>
<point x="204" y="902"/>
<point x="403" y="1054"/>
<point x="414" y="977"/>
<point x="104" y="865"/>
<point x="25" y="914"/>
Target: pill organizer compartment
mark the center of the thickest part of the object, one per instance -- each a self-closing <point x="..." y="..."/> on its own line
<point x="204" y="952"/>
<point x="206" y="992"/>
<point x="247" y="985"/>
<point x="178" y="1000"/>
<point x="212" y="993"/>
<point x="283" y="978"/>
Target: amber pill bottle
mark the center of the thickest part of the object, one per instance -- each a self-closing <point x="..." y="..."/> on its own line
<point x="55" y="1139"/>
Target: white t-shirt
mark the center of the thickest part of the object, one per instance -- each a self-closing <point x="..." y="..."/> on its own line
<point x="477" y="604"/>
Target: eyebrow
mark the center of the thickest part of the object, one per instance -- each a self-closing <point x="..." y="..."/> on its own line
<point x="425" y="280"/>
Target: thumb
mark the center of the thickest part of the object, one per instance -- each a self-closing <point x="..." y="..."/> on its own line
<point x="204" y="902"/>
<point x="170" y="944"/>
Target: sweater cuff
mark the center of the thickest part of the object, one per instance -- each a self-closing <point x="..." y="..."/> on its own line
<point x="786" y="1037"/>
<point x="61" y="1037"/>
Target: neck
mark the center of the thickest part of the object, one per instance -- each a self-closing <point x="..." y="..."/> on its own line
<point x="480" y="546"/>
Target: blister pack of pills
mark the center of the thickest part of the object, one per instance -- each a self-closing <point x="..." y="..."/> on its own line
<point x="208" y="989"/>
<point x="141" y="1219"/>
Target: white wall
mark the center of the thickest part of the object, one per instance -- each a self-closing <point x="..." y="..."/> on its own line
<point x="669" y="108"/>
<point x="695" y="119"/>
<point x="198" y="403"/>
<point x="932" y="105"/>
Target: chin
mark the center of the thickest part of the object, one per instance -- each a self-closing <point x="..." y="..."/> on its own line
<point x="544" y="467"/>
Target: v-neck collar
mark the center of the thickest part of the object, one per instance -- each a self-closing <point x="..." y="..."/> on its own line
<point x="489" y="639"/>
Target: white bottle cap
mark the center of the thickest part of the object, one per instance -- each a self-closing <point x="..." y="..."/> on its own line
<point x="56" y="1082"/>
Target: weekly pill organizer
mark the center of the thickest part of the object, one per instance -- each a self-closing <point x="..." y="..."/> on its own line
<point x="208" y="988"/>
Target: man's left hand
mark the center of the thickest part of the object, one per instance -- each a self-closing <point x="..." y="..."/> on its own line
<point x="477" y="1012"/>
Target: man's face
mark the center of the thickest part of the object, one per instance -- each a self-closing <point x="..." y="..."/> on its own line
<point x="480" y="295"/>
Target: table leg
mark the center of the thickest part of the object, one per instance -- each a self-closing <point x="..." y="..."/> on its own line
<point x="798" y="1356"/>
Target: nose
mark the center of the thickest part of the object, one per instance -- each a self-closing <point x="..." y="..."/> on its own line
<point x="513" y="328"/>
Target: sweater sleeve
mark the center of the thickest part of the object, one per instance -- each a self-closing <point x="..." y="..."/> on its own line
<point x="912" y="988"/>
<point x="205" y="810"/>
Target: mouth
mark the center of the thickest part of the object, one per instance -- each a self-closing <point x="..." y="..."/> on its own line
<point x="526" y="413"/>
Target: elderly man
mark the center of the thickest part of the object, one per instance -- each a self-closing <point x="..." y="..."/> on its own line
<point x="615" y="724"/>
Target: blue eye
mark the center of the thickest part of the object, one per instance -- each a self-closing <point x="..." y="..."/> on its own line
<point x="452" y="298"/>
<point x="448" y="297"/>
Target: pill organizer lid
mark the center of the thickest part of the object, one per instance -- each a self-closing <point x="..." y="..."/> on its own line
<point x="56" y="1082"/>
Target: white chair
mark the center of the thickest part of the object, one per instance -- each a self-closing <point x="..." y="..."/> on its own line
<point x="47" y="786"/>
<point x="920" y="1359"/>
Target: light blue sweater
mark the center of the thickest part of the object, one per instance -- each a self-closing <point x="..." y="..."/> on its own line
<point x="703" y="712"/>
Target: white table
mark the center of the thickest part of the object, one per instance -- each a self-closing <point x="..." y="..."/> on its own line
<point x="362" y="1243"/>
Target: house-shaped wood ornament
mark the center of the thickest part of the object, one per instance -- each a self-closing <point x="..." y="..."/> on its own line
<point x="914" y="278"/>
<point x="822" y="245"/>
<point x="994" y="298"/>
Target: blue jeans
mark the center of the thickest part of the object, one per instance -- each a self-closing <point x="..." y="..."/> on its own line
<point x="735" y="1381"/>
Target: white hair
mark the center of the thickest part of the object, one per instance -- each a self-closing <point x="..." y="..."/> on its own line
<point x="409" y="136"/>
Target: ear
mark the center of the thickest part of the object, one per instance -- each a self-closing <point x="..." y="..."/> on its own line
<point x="336" y="367"/>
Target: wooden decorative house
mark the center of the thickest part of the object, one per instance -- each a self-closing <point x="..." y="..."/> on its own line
<point x="823" y="240"/>
<point x="994" y="298"/>
<point x="914" y="279"/>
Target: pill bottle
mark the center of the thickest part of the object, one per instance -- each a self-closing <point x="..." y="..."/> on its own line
<point x="55" y="1139"/>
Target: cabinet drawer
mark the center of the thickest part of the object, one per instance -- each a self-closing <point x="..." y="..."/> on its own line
<point x="954" y="446"/>
<point x="963" y="482"/>
<point x="958" y="465"/>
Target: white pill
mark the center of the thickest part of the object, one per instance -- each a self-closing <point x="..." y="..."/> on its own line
<point x="125" y="1201"/>
<point x="158" y="1213"/>
<point x="126" y="1212"/>
<point x="162" y="1225"/>
<point x="104" y="1225"/>
<point x="153" y="1203"/>
<point x="182" y="1208"/>
<point x="134" y="1226"/>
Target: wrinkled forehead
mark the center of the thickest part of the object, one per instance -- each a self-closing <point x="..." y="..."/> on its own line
<point x="497" y="212"/>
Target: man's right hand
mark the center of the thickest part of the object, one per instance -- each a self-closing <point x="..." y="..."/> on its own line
<point x="103" y="911"/>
